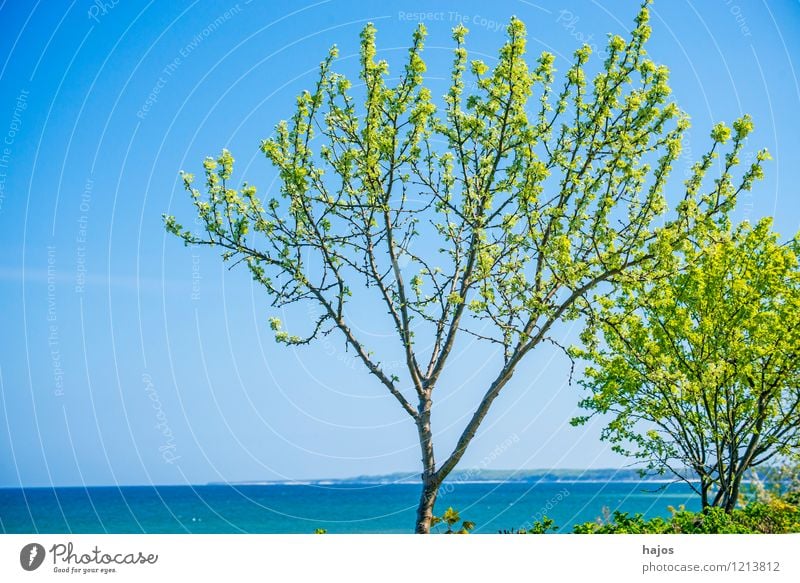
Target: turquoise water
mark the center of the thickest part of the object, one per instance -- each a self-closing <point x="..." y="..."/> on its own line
<point x="352" y="508"/>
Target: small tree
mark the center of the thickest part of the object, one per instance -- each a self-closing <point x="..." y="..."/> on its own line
<point x="700" y="371"/>
<point x="521" y="200"/>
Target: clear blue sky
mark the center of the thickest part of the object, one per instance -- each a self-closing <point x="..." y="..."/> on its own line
<point x="128" y="358"/>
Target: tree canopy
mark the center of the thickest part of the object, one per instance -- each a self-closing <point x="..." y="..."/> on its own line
<point x="700" y="371"/>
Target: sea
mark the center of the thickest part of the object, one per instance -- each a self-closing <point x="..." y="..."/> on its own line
<point x="344" y="508"/>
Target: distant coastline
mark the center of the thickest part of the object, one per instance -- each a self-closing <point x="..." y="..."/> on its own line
<point x="476" y="476"/>
<point x="466" y="476"/>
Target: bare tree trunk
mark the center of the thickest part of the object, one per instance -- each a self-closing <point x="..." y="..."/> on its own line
<point x="430" y="479"/>
<point x="425" y="509"/>
<point x="705" y="485"/>
<point x="747" y="458"/>
<point x="734" y="495"/>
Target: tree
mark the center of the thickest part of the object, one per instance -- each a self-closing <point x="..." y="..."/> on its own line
<point x="532" y="197"/>
<point x="700" y="371"/>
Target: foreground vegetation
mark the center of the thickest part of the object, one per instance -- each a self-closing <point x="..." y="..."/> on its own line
<point x="772" y="506"/>
<point x="775" y="517"/>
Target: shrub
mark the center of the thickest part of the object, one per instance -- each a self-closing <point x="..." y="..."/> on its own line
<point x="775" y="517"/>
<point x="451" y="518"/>
<point x="537" y="527"/>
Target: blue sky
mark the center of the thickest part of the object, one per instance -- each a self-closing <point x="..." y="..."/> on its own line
<point x="127" y="358"/>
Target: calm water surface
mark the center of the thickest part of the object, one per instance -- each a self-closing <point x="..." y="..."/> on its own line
<point x="353" y="508"/>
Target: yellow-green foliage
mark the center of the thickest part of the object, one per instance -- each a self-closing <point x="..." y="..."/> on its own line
<point x="700" y="369"/>
<point x="777" y="517"/>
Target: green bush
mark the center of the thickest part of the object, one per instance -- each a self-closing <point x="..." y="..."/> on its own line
<point x="770" y="512"/>
<point x="774" y="517"/>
